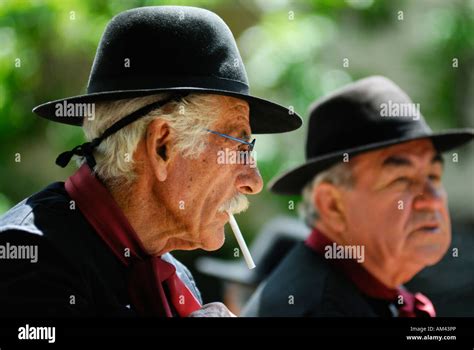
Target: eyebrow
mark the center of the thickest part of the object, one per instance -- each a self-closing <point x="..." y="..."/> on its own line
<point x="396" y="161"/>
<point x="241" y="108"/>
<point x="399" y="161"/>
<point x="242" y="134"/>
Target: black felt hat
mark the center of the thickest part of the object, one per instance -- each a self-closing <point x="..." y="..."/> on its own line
<point x="149" y="50"/>
<point x="368" y="114"/>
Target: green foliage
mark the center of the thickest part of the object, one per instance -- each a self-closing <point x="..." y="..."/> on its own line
<point x="293" y="51"/>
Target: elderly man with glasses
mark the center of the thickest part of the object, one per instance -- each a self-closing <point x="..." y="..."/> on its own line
<point x="149" y="182"/>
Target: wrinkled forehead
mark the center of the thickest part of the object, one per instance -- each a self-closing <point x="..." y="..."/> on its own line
<point x="233" y="115"/>
<point x="234" y="106"/>
<point x="416" y="150"/>
<point x="409" y="154"/>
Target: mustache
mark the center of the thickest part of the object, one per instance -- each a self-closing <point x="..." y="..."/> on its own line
<point x="235" y="205"/>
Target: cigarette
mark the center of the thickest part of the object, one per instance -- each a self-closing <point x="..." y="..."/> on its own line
<point x="241" y="241"/>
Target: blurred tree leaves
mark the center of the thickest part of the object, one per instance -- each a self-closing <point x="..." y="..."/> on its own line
<point x="293" y="51"/>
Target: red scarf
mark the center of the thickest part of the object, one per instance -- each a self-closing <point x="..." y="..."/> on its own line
<point x="147" y="273"/>
<point x="414" y="305"/>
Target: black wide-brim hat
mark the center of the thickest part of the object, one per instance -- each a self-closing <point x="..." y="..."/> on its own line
<point x="156" y="49"/>
<point x="366" y="115"/>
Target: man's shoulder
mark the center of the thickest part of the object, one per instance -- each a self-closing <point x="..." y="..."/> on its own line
<point x="50" y="215"/>
<point x="71" y="260"/>
<point x="26" y="215"/>
<point x="294" y="284"/>
<point x="305" y="284"/>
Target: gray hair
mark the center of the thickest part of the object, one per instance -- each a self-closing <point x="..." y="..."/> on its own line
<point x="189" y="117"/>
<point x="338" y="175"/>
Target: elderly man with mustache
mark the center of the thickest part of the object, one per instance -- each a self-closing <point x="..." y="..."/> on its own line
<point x="374" y="197"/>
<point x="169" y="93"/>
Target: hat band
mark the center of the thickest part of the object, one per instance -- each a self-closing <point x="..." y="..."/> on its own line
<point x="150" y="82"/>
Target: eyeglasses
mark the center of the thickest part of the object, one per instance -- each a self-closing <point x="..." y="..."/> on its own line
<point x="250" y="144"/>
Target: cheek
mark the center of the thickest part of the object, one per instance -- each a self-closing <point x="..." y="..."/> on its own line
<point x="360" y="224"/>
<point x="212" y="194"/>
<point x="202" y="181"/>
<point x="368" y="212"/>
<point x="394" y="218"/>
<point x="445" y="209"/>
<point x="218" y="188"/>
<point x="445" y="237"/>
<point x="379" y="221"/>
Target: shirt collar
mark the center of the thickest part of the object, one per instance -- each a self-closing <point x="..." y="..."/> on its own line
<point x="102" y="211"/>
<point x="365" y="282"/>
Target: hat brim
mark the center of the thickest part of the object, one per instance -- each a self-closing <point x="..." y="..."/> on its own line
<point x="266" y="117"/>
<point x="293" y="181"/>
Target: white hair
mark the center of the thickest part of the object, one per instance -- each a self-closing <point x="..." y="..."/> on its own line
<point x="189" y="116"/>
<point x="338" y="175"/>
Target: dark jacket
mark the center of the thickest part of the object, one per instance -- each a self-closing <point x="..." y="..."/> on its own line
<point x="76" y="273"/>
<point x="304" y="284"/>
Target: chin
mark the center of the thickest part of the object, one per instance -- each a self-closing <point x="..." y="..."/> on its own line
<point x="430" y="254"/>
<point x="214" y="240"/>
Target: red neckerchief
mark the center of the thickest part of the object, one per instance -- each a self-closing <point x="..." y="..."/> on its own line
<point x="147" y="273"/>
<point x="414" y="305"/>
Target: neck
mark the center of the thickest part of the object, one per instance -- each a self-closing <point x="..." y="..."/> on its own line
<point x="391" y="273"/>
<point x="157" y="235"/>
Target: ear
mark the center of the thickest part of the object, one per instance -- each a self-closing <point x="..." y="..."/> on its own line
<point x="158" y="147"/>
<point x="327" y="199"/>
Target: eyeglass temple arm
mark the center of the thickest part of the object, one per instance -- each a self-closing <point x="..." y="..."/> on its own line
<point x="251" y="144"/>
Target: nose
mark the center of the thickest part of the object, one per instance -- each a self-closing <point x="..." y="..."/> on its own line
<point x="249" y="181"/>
<point x="431" y="198"/>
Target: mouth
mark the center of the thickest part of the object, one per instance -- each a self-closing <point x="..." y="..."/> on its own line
<point x="223" y="216"/>
<point x="431" y="227"/>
